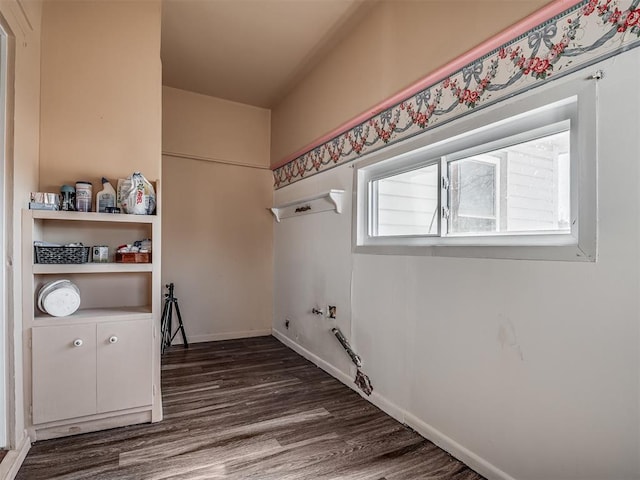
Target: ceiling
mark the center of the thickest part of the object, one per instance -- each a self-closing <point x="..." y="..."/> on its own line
<point x="250" y="51"/>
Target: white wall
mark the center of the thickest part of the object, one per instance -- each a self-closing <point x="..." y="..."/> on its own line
<point x="523" y="369"/>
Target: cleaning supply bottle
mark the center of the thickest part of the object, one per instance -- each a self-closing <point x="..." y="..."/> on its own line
<point x="83" y="196"/>
<point x="105" y="197"/>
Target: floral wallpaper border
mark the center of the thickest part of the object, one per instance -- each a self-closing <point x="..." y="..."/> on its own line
<point x="586" y="33"/>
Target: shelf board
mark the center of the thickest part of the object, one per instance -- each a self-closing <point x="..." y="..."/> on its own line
<point x="52" y="269"/>
<point x="113" y="313"/>
<point x="92" y="216"/>
<point x="329" y="200"/>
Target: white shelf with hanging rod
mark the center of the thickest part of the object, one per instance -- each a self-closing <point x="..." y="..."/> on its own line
<point x="322" y="202"/>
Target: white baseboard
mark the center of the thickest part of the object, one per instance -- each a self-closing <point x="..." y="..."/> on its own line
<point x="312" y="357"/>
<point x="12" y="461"/>
<point x="386" y="406"/>
<point x="222" y="336"/>
<point x="64" y="428"/>
<point x="474" y="461"/>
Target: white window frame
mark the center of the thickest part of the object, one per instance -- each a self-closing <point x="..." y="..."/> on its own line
<point x="537" y="238"/>
<point x="372" y="212"/>
<point x="547" y="110"/>
<point x="446" y="160"/>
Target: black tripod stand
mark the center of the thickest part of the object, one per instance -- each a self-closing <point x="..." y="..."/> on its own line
<point x="166" y="327"/>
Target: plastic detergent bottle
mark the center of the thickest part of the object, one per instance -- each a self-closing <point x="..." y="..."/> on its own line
<point x="105" y="197"/>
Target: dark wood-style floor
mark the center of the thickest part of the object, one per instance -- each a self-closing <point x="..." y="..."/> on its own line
<point x="249" y="409"/>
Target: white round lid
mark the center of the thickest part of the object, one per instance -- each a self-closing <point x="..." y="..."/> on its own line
<point x="61" y="300"/>
<point x="46" y="288"/>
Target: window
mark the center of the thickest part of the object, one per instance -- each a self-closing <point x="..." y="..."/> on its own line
<point x="516" y="181"/>
<point x="518" y="189"/>
<point x="406" y="203"/>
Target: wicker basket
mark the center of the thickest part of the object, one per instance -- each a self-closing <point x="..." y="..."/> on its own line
<point x="52" y="255"/>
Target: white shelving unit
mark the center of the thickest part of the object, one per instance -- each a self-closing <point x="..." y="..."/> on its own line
<point x="92" y="217"/>
<point x="98" y="368"/>
<point x="323" y="202"/>
<point x="107" y="314"/>
<point x="45" y="269"/>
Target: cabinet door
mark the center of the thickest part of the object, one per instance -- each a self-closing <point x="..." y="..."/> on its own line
<point x="124" y="365"/>
<point x="64" y="372"/>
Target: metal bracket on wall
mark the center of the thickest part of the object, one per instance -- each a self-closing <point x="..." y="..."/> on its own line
<point x="361" y="380"/>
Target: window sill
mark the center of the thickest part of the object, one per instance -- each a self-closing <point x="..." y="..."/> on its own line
<point x="571" y="253"/>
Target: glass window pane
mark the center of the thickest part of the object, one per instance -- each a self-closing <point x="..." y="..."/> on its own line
<point x="520" y="188"/>
<point x="407" y="204"/>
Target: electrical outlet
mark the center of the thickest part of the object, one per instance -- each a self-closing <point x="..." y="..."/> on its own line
<point x="332" y="311"/>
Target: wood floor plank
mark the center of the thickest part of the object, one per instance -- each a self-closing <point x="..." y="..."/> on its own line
<point x="249" y="409"/>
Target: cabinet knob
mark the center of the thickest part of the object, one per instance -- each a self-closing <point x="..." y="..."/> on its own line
<point x="113" y="339"/>
<point x="77" y="342"/>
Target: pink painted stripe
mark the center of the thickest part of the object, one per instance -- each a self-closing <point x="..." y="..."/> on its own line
<point x="545" y="13"/>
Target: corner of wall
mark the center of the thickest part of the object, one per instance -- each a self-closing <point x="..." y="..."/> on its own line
<point x="22" y="21"/>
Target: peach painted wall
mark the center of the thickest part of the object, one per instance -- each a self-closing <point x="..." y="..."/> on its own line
<point x="395" y="45"/>
<point x="101" y="91"/>
<point x="217" y="234"/>
<point x="22" y="23"/>
<point x="214" y="129"/>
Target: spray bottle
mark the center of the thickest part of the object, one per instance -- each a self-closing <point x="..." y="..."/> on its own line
<point x="105" y="197"/>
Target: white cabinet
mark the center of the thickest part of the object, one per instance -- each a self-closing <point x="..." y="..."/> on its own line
<point x="99" y="367"/>
<point x="124" y="365"/>
<point x="85" y="369"/>
<point x="64" y="374"/>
